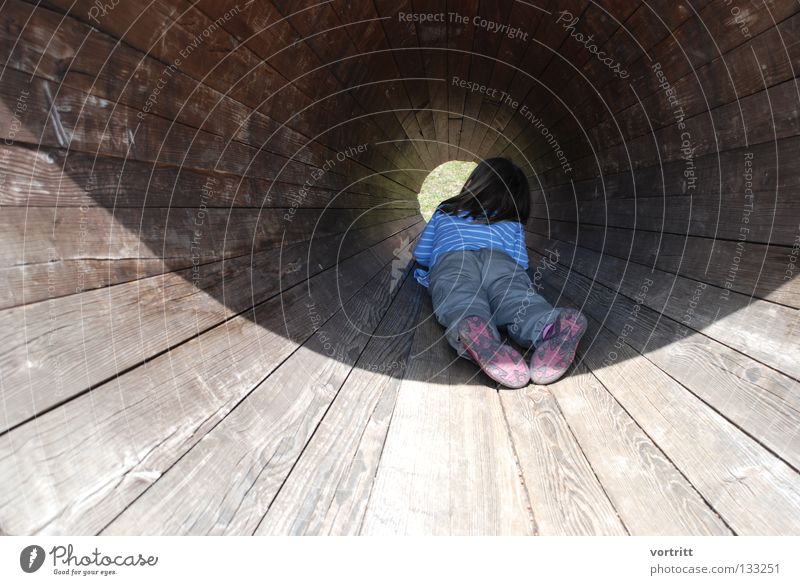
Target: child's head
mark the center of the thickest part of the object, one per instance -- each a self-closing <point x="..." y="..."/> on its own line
<point x="497" y="190"/>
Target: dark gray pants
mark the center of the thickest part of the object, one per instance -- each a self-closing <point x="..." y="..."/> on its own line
<point x="488" y="283"/>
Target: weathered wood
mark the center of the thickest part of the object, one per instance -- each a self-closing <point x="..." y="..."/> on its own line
<point x="46" y="261"/>
<point x="686" y="69"/>
<point x="39" y="234"/>
<point x="368" y="36"/>
<point x="329" y="485"/>
<point x="225" y="483"/>
<point x="400" y="35"/>
<point x="45" y="177"/>
<point x="307" y="57"/>
<point x="61" y="462"/>
<point x="72" y="53"/>
<point x="649" y="494"/>
<point x="329" y="41"/>
<point x="745" y="267"/>
<point x="753" y="491"/>
<point x="772" y="219"/>
<point x="76" y="342"/>
<point x="199" y="108"/>
<point x="484" y="60"/>
<point x="759" y="329"/>
<point x="565" y="494"/>
<point x="59" y="116"/>
<point x="447" y="466"/>
<point x="460" y="41"/>
<point x="757" y="399"/>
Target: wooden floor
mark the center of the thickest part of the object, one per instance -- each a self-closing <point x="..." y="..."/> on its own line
<point x="391" y="434"/>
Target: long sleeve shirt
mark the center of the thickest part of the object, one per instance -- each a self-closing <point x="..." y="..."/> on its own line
<point x="447" y="233"/>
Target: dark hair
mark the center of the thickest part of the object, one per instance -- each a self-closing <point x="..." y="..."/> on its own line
<point x="497" y="190"/>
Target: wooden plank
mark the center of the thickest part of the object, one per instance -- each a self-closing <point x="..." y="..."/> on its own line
<point x="595" y="22"/>
<point x="367" y="34"/>
<point x="178" y="235"/>
<point x="753" y="491"/>
<point x="486" y="45"/>
<point x="716" y="173"/>
<point x="241" y="124"/>
<point x="505" y="76"/>
<point x="759" y="329"/>
<point x="330" y="42"/>
<point x="447" y="465"/>
<point x="79" y="56"/>
<point x="59" y="116"/>
<point x="760" y="401"/>
<point x="79" y="466"/>
<point x="163" y="30"/>
<point x="225" y="482"/>
<point x="726" y="127"/>
<point x="706" y="214"/>
<point x="711" y="74"/>
<point x="566" y="496"/>
<point x="55" y="349"/>
<point x="403" y="38"/>
<point x="647" y="491"/>
<point x="302" y="50"/>
<point x="44" y="177"/>
<point x="328" y="488"/>
<point x="432" y="38"/>
<point x="52" y="253"/>
<point x="460" y="40"/>
<point x="742" y="266"/>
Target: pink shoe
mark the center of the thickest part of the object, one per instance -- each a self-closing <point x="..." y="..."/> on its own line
<point x="554" y="356"/>
<point x="501" y="362"/>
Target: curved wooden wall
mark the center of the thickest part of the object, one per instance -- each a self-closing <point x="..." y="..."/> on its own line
<point x="179" y="178"/>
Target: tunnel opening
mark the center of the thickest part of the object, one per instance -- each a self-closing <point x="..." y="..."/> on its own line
<point x="208" y="217"/>
<point x="443" y="182"/>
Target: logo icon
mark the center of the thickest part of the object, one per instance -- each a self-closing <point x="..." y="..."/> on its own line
<point x="31" y="558"/>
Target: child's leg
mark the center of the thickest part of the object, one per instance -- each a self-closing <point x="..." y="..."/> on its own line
<point x="457" y="292"/>
<point x="515" y="303"/>
<point x="460" y="303"/>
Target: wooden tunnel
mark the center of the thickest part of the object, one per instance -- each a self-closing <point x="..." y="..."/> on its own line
<point x="208" y="213"/>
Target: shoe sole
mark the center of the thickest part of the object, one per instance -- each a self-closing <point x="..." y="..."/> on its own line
<point x="501" y="362"/>
<point x="554" y="356"/>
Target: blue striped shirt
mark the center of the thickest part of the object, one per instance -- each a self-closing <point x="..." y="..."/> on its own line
<point x="446" y="233"/>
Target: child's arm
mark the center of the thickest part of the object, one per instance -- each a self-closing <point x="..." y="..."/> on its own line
<point x="424" y="248"/>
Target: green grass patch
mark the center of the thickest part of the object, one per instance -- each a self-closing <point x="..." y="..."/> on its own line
<point x="443" y="182"/>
